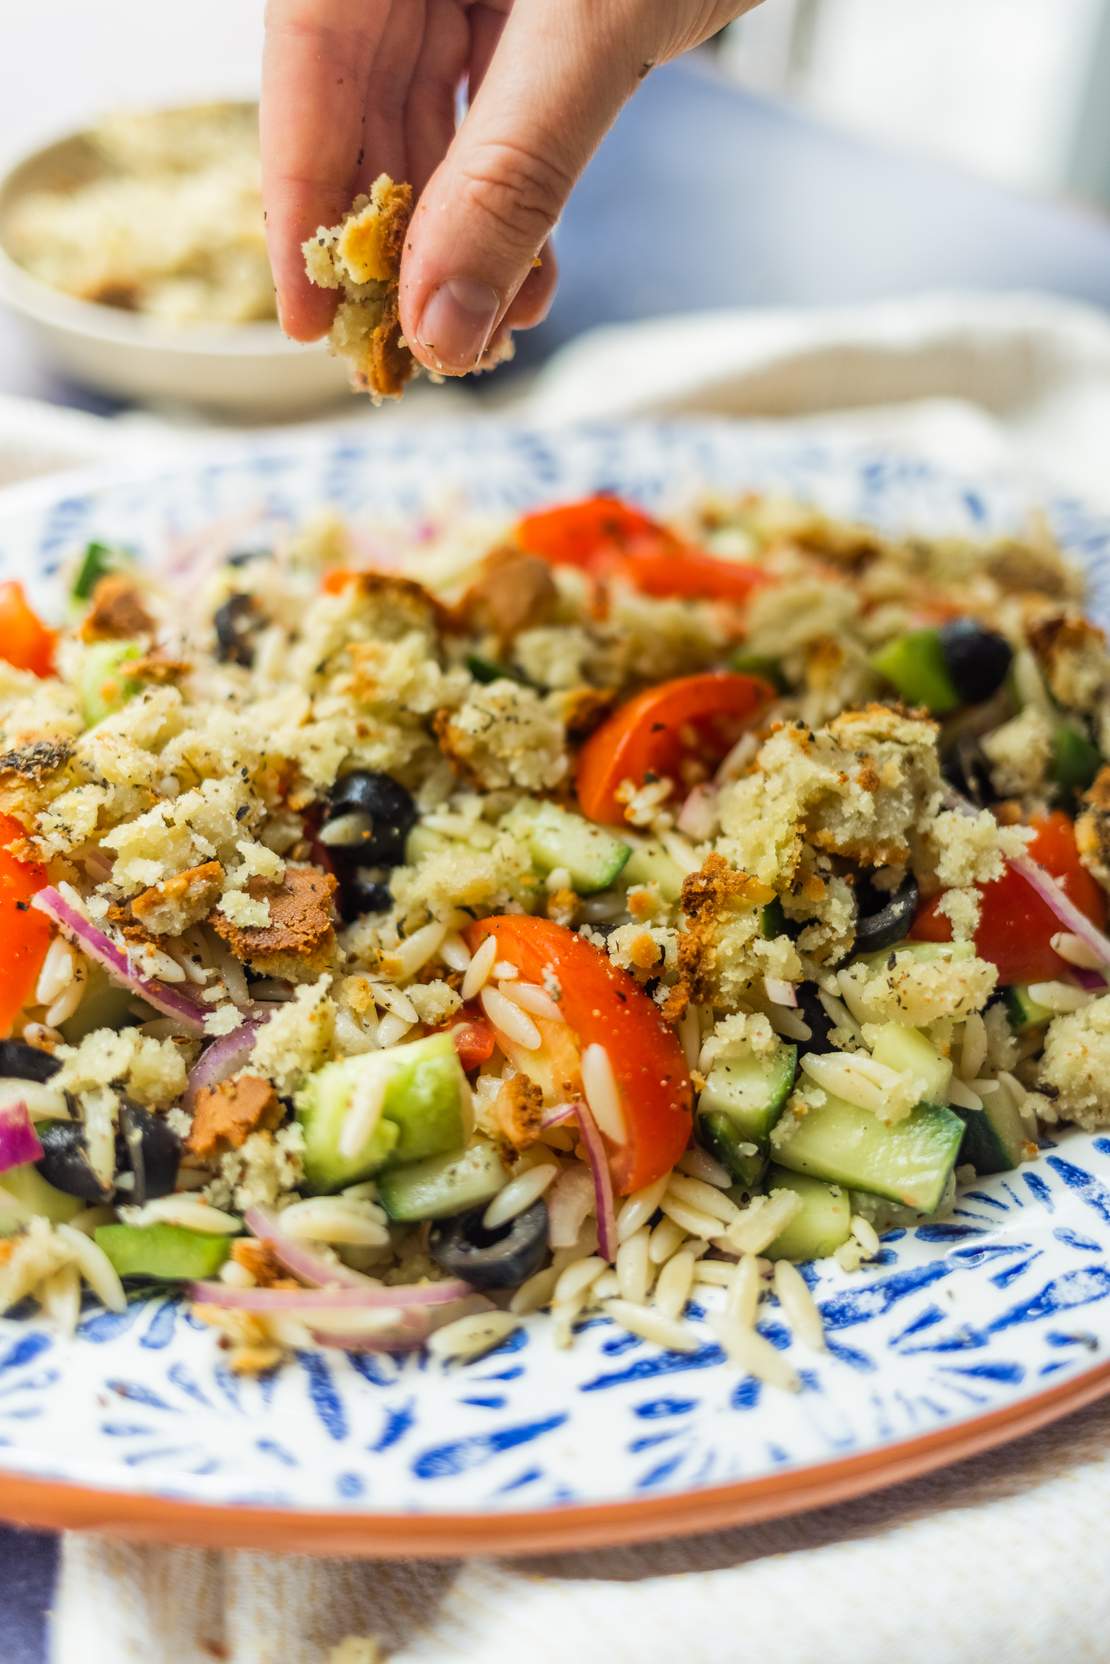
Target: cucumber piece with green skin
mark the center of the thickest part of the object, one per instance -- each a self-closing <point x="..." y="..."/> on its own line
<point x="909" y="1052"/>
<point x="443" y="1185"/>
<point x="821" y="1224"/>
<point x="556" y="838"/>
<point x="996" y="1139"/>
<point x="719" y="1134"/>
<point x="925" y="953"/>
<point x="103" y="683"/>
<point x="907" y="1161"/>
<point x="1075" y="759"/>
<point x="751" y="1091"/>
<point x="96" y="563"/>
<point x="488" y="670"/>
<point x="423" y="1111"/>
<point x="649" y="863"/>
<point x="24" y="1193"/>
<point x="168" y="1253"/>
<point x="914" y="665"/>
<point x="759" y="664"/>
<point x="1023" y="1010"/>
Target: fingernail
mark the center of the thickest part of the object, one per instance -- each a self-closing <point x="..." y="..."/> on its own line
<point x="458" y="321"/>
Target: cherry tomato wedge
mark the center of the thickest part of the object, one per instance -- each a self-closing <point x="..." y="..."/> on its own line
<point x="604" y="1005"/>
<point x="24" y="934"/>
<point x="1015" y="926"/>
<point x="611" y="539"/>
<point x="473" y="1039"/>
<point x="591" y="533"/>
<point x="693" y="718"/>
<point x="24" y="639"/>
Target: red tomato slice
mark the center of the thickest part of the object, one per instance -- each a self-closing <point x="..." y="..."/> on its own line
<point x="652" y="735"/>
<point x="609" y="538"/>
<point x="473" y="1039"/>
<point x="24" y="639"/>
<point x="591" y="533"/>
<point x="604" y="1005"/>
<point x="24" y="934"/>
<point x="1015" y="926"/>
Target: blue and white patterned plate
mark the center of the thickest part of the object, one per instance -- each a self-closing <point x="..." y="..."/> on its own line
<point x="960" y="1334"/>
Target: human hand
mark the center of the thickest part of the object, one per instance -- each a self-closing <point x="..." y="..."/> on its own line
<point x="354" y="88"/>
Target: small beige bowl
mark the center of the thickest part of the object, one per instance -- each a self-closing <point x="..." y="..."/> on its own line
<point x="247" y="371"/>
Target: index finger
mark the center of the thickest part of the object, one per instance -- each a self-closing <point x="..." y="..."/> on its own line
<point x="315" y="69"/>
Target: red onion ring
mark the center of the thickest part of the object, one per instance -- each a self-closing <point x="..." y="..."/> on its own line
<point x="19" y="1142"/>
<point x="598" y="1160"/>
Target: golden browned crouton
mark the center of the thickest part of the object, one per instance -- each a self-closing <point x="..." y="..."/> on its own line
<point x="361" y="257"/>
<point x="117" y="611"/>
<point x="514" y="591"/>
<point x="168" y="908"/>
<point x="227" y="1114"/>
<point x="298" y="939"/>
<point x="517" y="1111"/>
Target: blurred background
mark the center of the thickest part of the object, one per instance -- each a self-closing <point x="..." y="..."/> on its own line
<point x="818" y="153"/>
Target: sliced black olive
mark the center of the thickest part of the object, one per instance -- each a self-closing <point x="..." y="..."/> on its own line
<point x="966" y="768"/>
<point x="236" y="623"/>
<point x="64" y="1162"/>
<point x="369" y="816"/>
<point x="491" y="1259"/>
<point x="361" y="892"/>
<point x="884" y="918"/>
<point x="20" y="1061"/>
<point x="145" y="1147"/>
<point x="151" y="1149"/>
<point x="815" y="1017"/>
<point x="977" y="659"/>
<point x="243" y="557"/>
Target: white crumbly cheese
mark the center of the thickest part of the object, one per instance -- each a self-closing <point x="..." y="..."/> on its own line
<point x="739" y="1029"/>
<point x="505" y="734"/>
<point x="297" y="1039"/>
<point x="1019" y="753"/>
<point x="908" y="989"/>
<point x="244" y="911"/>
<point x="267" y="1167"/>
<point x="223" y="1020"/>
<point x="150" y="1071"/>
<point x="435" y="1002"/>
<point x="1074" y="1072"/>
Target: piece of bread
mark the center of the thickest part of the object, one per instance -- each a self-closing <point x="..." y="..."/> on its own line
<point x="361" y="257"/>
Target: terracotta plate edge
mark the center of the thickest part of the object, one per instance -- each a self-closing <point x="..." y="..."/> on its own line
<point x="60" y="1506"/>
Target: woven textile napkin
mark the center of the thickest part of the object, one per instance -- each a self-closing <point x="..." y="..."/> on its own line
<point x="1000" y="1557"/>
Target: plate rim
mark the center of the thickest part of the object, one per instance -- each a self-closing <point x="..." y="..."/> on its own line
<point x="61" y="1504"/>
<point x="56" y="1505"/>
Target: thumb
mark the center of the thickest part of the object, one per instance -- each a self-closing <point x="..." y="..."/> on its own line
<point x="560" y="73"/>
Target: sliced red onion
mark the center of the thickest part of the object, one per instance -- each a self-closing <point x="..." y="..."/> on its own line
<point x="698" y="816"/>
<point x="1064" y="908"/>
<point x="411" y="1331"/>
<point x="779" y="991"/>
<point x="403" y="1296"/>
<point x="99" y="947"/>
<point x="598" y="1158"/>
<point x="299" y="1259"/>
<point x="222" y="1058"/>
<point x="19" y="1142"/>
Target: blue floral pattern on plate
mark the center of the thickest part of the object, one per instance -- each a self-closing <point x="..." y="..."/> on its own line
<point x="955" y="1320"/>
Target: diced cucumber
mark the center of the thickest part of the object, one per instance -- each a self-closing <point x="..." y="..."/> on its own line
<point x="649" y="863"/>
<point x="820" y="1225"/>
<point x="97" y="562"/>
<point x="915" y="666"/>
<point x="749" y="1090"/>
<point x="1075" y="759"/>
<point x="103" y="684"/>
<point x="443" y="1185"/>
<point x="1023" y="1010"/>
<point x="909" y="1161"/>
<point x="909" y="1052"/>
<point x="886" y="1215"/>
<point x="423" y="1111"/>
<point x="926" y="953"/>
<point x="556" y="838"/>
<point x="168" y="1253"/>
<point x="726" y="1143"/>
<point x="759" y="664"/>
<point x="996" y="1139"/>
<point x="24" y="1193"/>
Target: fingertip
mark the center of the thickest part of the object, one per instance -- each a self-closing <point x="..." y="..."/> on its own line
<point x="305" y="313"/>
<point x="534" y="298"/>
